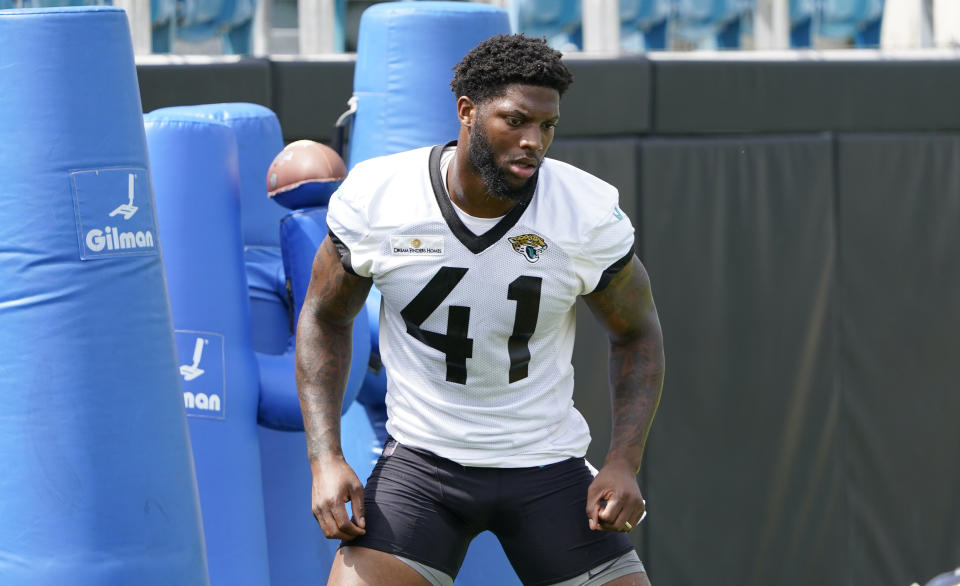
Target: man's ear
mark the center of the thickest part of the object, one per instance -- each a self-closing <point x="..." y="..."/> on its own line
<point x="466" y="111"/>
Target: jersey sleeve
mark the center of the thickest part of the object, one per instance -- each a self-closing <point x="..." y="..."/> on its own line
<point x="607" y="248"/>
<point x="349" y="226"/>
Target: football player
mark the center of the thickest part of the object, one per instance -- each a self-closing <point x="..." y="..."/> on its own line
<point x="480" y="249"/>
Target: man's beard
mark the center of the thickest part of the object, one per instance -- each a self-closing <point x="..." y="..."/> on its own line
<point x="481" y="156"/>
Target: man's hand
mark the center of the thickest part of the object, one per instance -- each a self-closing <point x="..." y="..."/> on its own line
<point x="614" y="502"/>
<point x="334" y="485"/>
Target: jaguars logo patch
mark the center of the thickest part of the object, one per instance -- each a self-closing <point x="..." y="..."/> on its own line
<point x="529" y="245"/>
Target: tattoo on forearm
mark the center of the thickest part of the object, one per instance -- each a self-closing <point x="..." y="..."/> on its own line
<point x="636" y="377"/>
<point x="323" y="350"/>
<point x="322" y="369"/>
<point x="636" y="358"/>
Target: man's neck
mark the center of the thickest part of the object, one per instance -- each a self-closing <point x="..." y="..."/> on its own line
<point x="468" y="191"/>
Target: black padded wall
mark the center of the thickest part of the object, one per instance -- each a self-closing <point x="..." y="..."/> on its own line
<point x="741" y="467"/>
<point x="181" y="81"/>
<point x="310" y="94"/>
<point x="609" y="97"/>
<point x="899" y="365"/>
<point x="805" y="92"/>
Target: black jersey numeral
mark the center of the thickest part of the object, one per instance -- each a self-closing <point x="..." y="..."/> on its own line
<point x="526" y="292"/>
<point x="455" y="343"/>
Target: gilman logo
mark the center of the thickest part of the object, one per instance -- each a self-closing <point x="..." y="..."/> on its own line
<point x="410" y="245"/>
<point x="201" y="362"/>
<point x="529" y="245"/>
<point x="112" y="238"/>
<point x="96" y="194"/>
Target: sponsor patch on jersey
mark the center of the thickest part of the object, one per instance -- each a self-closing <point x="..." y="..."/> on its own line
<point x="530" y="246"/>
<point x="416" y="245"/>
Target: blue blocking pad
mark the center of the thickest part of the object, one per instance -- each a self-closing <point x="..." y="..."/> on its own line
<point x="373" y="391"/>
<point x="306" y="195"/>
<point x="301" y="234"/>
<point x="405" y="54"/>
<point x="259" y="139"/>
<point x="299" y="552"/>
<point x="271" y="317"/>
<point x="194" y="163"/>
<point x="97" y="485"/>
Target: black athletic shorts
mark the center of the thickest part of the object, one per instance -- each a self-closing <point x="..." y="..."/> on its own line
<point x="427" y="509"/>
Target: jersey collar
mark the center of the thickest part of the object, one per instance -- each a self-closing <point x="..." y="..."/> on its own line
<point x="475" y="244"/>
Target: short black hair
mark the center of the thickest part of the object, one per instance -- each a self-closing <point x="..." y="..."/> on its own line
<point x="501" y="60"/>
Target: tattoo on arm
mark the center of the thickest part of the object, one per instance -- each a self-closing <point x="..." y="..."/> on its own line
<point x="627" y="311"/>
<point x="323" y="348"/>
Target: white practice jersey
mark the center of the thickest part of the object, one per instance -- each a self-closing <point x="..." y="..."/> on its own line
<point x="476" y="332"/>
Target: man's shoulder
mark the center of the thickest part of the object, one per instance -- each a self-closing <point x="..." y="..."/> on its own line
<point x="586" y="198"/>
<point x="585" y="202"/>
<point x="375" y="177"/>
<point x="564" y="176"/>
<point x="383" y="189"/>
<point x="384" y="166"/>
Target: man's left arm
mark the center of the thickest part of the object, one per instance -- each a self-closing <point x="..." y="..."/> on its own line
<point x="626" y="310"/>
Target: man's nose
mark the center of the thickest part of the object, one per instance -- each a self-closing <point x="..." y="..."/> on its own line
<point x="532" y="139"/>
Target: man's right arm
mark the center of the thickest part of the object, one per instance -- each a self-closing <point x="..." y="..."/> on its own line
<point x="323" y="352"/>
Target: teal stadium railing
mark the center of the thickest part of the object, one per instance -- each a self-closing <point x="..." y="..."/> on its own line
<point x="650" y="25"/>
<point x="645" y="25"/>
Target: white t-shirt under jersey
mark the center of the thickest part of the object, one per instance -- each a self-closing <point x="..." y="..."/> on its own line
<point x="476" y="331"/>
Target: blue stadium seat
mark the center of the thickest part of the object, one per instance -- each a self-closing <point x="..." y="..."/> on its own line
<point x="709" y="23"/>
<point x="857" y="20"/>
<point x="163" y="15"/>
<point x="643" y="24"/>
<point x="201" y="20"/>
<point x="802" y="13"/>
<point x="8" y="4"/>
<point x="559" y="21"/>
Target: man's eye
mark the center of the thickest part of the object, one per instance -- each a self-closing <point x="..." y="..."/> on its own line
<point x="549" y="125"/>
<point x="513" y="121"/>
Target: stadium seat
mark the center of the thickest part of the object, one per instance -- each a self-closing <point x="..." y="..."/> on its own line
<point x="643" y="24"/>
<point x="559" y="21"/>
<point x="855" y="20"/>
<point x="801" y="22"/>
<point x="8" y="4"/>
<point x="709" y="23"/>
<point x="201" y="20"/>
<point x="163" y="15"/>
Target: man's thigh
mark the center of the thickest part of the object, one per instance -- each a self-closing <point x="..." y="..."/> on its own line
<point x="407" y="513"/>
<point x="361" y="566"/>
<point x="636" y="579"/>
<point x="543" y="524"/>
